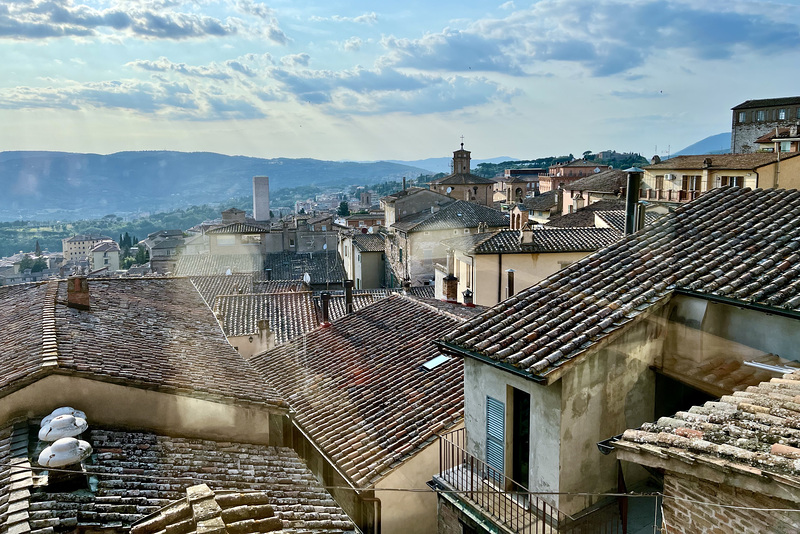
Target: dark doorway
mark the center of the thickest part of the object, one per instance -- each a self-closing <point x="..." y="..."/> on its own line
<point x="521" y="436"/>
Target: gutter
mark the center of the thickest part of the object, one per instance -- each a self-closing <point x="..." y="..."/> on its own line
<point x="763" y="308"/>
<point x="455" y="350"/>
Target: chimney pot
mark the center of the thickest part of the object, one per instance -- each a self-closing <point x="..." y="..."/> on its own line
<point x="510" y="273"/>
<point x="78" y="292"/>
<point x="348" y="296"/>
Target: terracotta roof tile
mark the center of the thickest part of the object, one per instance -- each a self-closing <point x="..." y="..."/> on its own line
<point x="217" y="264"/>
<point x="289" y="314"/>
<point x="544" y="240"/>
<point x="768" y="102"/>
<point x="458" y="214"/>
<point x="585" y="215"/>
<point x="369" y="242"/>
<point x="608" y="181"/>
<point x="211" y="286"/>
<point x="721" y="161"/>
<point x="462" y="179"/>
<point x="240" y="228"/>
<point x="756" y="428"/>
<point x="358" y="388"/>
<point x="746" y="240"/>
<point x="543" y="202"/>
<point x="321" y="266"/>
<point x="138" y="473"/>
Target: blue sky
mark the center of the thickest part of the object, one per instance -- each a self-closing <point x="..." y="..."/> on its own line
<point x="372" y="80"/>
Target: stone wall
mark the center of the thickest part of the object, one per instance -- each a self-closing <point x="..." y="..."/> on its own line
<point x="689" y="517"/>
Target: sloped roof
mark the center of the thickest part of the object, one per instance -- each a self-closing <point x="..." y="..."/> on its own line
<point x="753" y="432"/>
<point x="608" y="181"/>
<point x="137" y="473"/>
<point x="585" y="216"/>
<point x="240" y="228"/>
<point x="106" y="246"/>
<point x="211" y="286"/>
<point x="358" y="389"/>
<point x="544" y="240"/>
<point x="279" y="286"/>
<point x="543" y="202"/>
<point x="457" y="214"/>
<point x="369" y="242"/>
<point x="211" y="264"/>
<point x="321" y="266"/>
<point x="462" y="179"/>
<point x="172" y="242"/>
<point x="745" y="162"/>
<point x="783" y="133"/>
<point x="289" y="314"/>
<point x="616" y="218"/>
<point x="88" y="237"/>
<point x="147" y="332"/>
<point x="729" y="242"/>
<point x="768" y="102"/>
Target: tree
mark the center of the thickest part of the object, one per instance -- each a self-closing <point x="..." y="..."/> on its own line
<point x="38" y="250"/>
<point x="344" y="209"/>
<point x="39" y="265"/>
<point x="142" y="255"/>
<point x="302" y="211"/>
<point x="25" y="263"/>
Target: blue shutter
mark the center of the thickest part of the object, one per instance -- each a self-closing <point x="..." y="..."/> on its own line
<point x="495" y="433"/>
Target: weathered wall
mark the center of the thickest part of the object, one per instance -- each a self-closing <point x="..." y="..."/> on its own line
<point x="480" y="381"/>
<point x="122" y="406"/>
<point x="608" y="391"/>
<point x="451" y="520"/>
<point x="398" y="507"/>
<point x="370" y="270"/>
<point x="681" y="516"/>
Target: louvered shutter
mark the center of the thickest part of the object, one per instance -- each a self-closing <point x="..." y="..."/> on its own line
<point x="495" y="433"/>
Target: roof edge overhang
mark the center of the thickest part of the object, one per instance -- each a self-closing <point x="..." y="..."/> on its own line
<point x="457" y="350"/>
<point x="755" y="306"/>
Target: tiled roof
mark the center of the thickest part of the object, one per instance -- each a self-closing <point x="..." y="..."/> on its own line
<point x="358" y="389"/>
<point x="204" y="509"/>
<point x="422" y="292"/>
<point x="783" y="133"/>
<point x="321" y="266"/>
<point x="544" y="240"/>
<point x="289" y="314"/>
<point x="87" y="237"/>
<point x="137" y="473"/>
<point x="239" y="228"/>
<point x="768" y="102"/>
<point x="369" y="242"/>
<point x="543" y="202"/>
<point x="585" y="215"/>
<point x="172" y="242"/>
<point x="208" y="264"/>
<point x="211" y="286"/>
<point x="616" y="218"/>
<point x="279" y="286"/>
<point x="462" y="179"/>
<point x="458" y="311"/>
<point x="403" y="192"/>
<point x="752" y="432"/>
<point x="730" y="242"/>
<point x="721" y="161"/>
<point x="458" y="214"/>
<point x="152" y="332"/>
<point x="608" y="181"/>
<point x="106" y="246"/>
<point x="338" y="304"/>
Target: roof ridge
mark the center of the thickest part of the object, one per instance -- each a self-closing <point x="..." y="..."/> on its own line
<point x="49" y="338"/>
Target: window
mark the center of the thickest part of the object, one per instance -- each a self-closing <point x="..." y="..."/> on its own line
<point x="455" y="232"/>
<point x="786" y="146"/>
<point x="324" y="227"/>
<point x="691" y="183"/>
<point x="495" y="434"/>
<point x="781" y="114"/>
<point x="401" y="254"/>
<point x="760" y="115"/>
<point x="742" y="116"/>
<point x="466" y="230"/>
<point x="251" y="239"/>
<point x="722" y="181"/>
<point x="659" y="181"/>
<point x="798" y="112"/>
<point x="469" y="275"/>
<point x="291" y="243"/>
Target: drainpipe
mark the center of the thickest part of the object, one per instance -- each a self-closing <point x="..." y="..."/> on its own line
<point x="348" y="296"/>
<point x="510" y="288"/>
<point x="499" y="278"/>
<point x="632" y="198"/>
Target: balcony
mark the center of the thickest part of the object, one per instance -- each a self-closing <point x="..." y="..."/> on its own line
<point x="668" y="195"/>
<point x="507" y="504"/>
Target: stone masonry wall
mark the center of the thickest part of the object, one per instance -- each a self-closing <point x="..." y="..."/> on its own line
<point x="682" y="516"/>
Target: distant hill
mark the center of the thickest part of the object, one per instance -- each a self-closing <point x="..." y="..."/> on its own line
<point x="68" y="186"/>
<point x="715" y="144"/>
<point x="437" y="165"/>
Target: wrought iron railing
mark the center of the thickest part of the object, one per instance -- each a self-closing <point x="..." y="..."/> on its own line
<point x="506" y="502"/>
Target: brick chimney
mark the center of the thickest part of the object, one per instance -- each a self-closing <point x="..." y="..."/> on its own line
<point x="78" y="292"/>
<point x="348" y="296"/>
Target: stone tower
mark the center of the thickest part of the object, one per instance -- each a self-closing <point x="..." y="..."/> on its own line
<point x="261" y="198"/>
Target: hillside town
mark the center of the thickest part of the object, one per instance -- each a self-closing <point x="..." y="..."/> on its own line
<point x="574" y="349"/>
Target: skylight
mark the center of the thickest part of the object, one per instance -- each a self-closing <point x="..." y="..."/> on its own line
<point x="437" y="361"/>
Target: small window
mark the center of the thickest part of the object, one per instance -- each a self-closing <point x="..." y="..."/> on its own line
<point x="760" y="115"/>
<point x="401" y="254"/>
<point x="742" y="116"/>
<point x="251" y="239"/>
<point x="437" y="361"/>
<point x="781" y="114"/>
<point x="786" y="146"/>
<point x="291" y="243"/>
<point x="455" y="232"/>
<point x="466" y="230"/>
<point x="426" y="233"/>
<point x="324" y="227"/>
<point x="798" y="112"/>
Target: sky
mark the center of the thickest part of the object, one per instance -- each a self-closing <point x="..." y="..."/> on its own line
<point x="365" y="81"/>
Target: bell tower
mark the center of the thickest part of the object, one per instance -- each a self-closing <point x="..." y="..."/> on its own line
<point x="461" y="161"/>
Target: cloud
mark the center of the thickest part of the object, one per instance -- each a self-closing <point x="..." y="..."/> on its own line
<point x="295" y="60"/>
<point x="507" y="5"/>
<point x="637" y="94"/>
<point x="43" y="19"/>
<point x="600" y="37"/>
<point x="353" y="44"/>
<point x="366" y="18"/>
<point x="162" y="64"/>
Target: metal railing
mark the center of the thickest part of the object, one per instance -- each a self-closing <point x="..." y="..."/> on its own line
<point x="668" y="195"/>
<point x="508" y="503"/>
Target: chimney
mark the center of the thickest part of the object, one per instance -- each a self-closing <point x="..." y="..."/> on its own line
<point x="451" y="288"/>
<point x="269" y="274"/>
<point x="655" y="159"/>
<point x="404" y="183"/>
<point x="526" y="235"/>
<point x="706" y="163"/>
<point x="632" y="198"/>
<point x="468" y="298"/>
<point x="348" y="296"/>
<point x="326" y="309"/>
<point x="510" y="288"/>
<point x="78" y="292"/>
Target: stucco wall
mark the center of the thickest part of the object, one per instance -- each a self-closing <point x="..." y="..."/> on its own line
<point x="410" y="512"/>
<point x="608" y="391"/>
<point x="371" y="270"/>
<point x="123" y="406"/>
<point x="482" y="380"/>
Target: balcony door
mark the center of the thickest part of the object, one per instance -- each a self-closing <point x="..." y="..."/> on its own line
<point x="520" y="436"/>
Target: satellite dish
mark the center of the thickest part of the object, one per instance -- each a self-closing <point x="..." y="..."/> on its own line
<point x="325" y="246"/>
<point x="63" y="426"/>
<point x="62" y="411"/>
<point x="65" y="451"/>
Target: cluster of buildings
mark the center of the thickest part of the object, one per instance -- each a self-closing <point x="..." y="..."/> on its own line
<point x="617" y="353"/>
